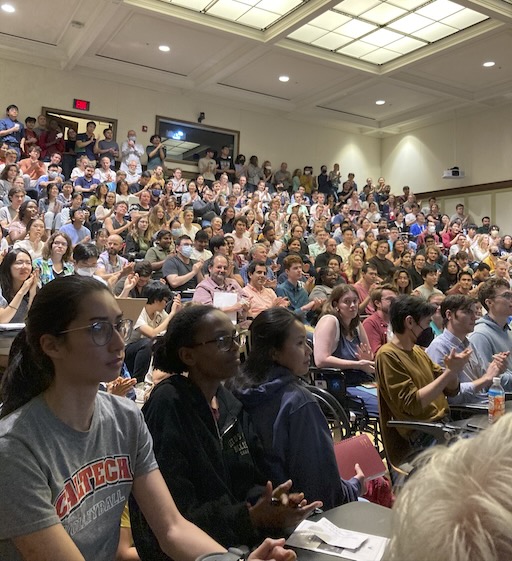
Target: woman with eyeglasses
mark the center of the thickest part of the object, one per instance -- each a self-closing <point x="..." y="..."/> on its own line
<point x="294" y="432"/>
<point x="71" y="455"/>
<point x="204" y="444"/>
<point x="56" y="258"/>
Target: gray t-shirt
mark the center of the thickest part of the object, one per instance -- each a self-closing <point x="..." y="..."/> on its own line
<point x="175" y="266"/>
<point x="51" y="473"/>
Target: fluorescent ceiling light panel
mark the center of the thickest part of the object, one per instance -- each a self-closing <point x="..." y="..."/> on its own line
<point x="383" y="14"/>
<point x="409" y="5"/>
<point x="356" y="7"/>
<point x="355" y="28"/>
<point x="439" y="9"/>
<point x="307" y="34"/>
<point x="464" y="18"/>
<point x="280" y="7"/>
<point x="357" y="49"/>
<point x="329" y="20"/>
<point x="435" y="32"/>
<point x="380" y="56"/>
<point x="258" y="18"/>
<point x="332" y="41"/>
<point x="406" y="45"/>
<point x="382" y="37"/>
<point x="228" y="9"/>
<point x="410" y="24"/>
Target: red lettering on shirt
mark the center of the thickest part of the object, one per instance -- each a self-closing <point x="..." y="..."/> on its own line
<point x="90" y="478"/>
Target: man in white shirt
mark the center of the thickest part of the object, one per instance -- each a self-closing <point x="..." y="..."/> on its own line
<point x="131" y="150"/>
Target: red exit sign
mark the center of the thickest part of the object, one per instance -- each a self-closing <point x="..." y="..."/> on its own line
<point x="81" y="104"/>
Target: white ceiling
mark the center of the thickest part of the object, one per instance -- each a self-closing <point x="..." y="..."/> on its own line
<point x="237" y="49"/>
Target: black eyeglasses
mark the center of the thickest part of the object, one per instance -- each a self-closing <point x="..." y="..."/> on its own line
<point x="102" y="331"/>
<point x="224" y="342"/>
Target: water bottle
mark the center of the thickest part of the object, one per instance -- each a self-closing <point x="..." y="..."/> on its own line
<point x="496" y="400"/>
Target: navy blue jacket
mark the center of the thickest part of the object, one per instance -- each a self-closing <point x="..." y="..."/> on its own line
<point x="296" y="439"/>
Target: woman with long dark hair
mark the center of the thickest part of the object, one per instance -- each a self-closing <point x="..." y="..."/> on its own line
<point x="294" y="432"/>
<point x="32" y="242"/>
<point x="18" y="284"/>
<point x="448" y="276"/>
<point x="50" y="208"/>
<point x="205" y="446"/>
<point x="341" y="342"/>
<point x="18" y="227"/>
<point x="68" y="450"/>
<point x="402" y="281"/>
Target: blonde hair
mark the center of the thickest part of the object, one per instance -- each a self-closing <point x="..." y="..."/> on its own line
<point x="458" y="505"/>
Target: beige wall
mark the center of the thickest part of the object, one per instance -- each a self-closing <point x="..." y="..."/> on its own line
<point x="481" y="145"/>
<point x="269" y="136"/>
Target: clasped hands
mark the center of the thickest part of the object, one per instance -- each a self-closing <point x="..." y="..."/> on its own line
<point x="278" y="508"/>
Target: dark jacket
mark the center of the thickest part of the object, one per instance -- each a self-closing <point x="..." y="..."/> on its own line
<point x="296" y="439"/>
<point x="210" y="469"/>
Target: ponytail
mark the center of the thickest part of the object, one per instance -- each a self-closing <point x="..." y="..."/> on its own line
<point x="25" y="377"/>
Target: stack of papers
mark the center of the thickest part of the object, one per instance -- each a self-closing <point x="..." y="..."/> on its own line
<point x="324" y="537"/>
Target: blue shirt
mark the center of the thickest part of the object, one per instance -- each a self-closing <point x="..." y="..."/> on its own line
<point x="87" y="150"/>
<point x="14" y="138"/>
<point x="82" y="182"/>
<point x="75" y="235"/>
<point x="297" y="295"/>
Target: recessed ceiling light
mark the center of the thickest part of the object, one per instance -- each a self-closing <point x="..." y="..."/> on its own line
<point x="9" y="8"/>
<point x="380" y="102"/>
<point x="284" y="78"/>
<point x="164" y="48"/>
<point x="488" y="64"/>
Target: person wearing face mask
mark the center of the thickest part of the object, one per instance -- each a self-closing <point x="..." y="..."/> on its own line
<point x="131" y="150"/>
<point x="85" y="256"/>
<point x="411" y="385"/>
<point x="180" y="271"/>
<point x="308" y="180"/>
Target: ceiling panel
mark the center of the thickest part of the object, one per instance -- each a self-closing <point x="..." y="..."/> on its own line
<point x="260" y="14"/>
<point x="190" y="47"/>
<point x="306" y="78"/>
<point x="46" y="27"/>
<point x="383" y="22"/>
<point x="462" y="66"/>
<point x="398" y="100"/>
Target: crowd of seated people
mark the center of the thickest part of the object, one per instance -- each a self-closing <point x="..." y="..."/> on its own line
<point x="245" y="238"/>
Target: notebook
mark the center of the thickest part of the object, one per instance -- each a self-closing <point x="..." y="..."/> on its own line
<point x="358" y="450"/>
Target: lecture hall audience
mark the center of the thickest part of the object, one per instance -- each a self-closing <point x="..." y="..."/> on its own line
<point x="272" y="238"/>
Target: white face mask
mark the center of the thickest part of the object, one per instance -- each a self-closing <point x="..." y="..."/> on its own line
<point x="186" y="251"/>
<point x="85" y="271"/>
<point x="134" y="138"/>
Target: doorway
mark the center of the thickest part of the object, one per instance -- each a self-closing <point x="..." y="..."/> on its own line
<point x="78" y="121"/>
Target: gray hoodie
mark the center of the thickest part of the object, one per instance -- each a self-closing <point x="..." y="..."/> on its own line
<point x="488" y="339"/>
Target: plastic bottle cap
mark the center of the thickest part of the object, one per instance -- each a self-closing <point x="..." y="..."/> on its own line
<point x="496" y="380"/>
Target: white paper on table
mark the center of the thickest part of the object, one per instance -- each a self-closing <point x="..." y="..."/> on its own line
<point x="225" y="300"/>
<point x="331" y="534"/>
<point x="306" y="536"/>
